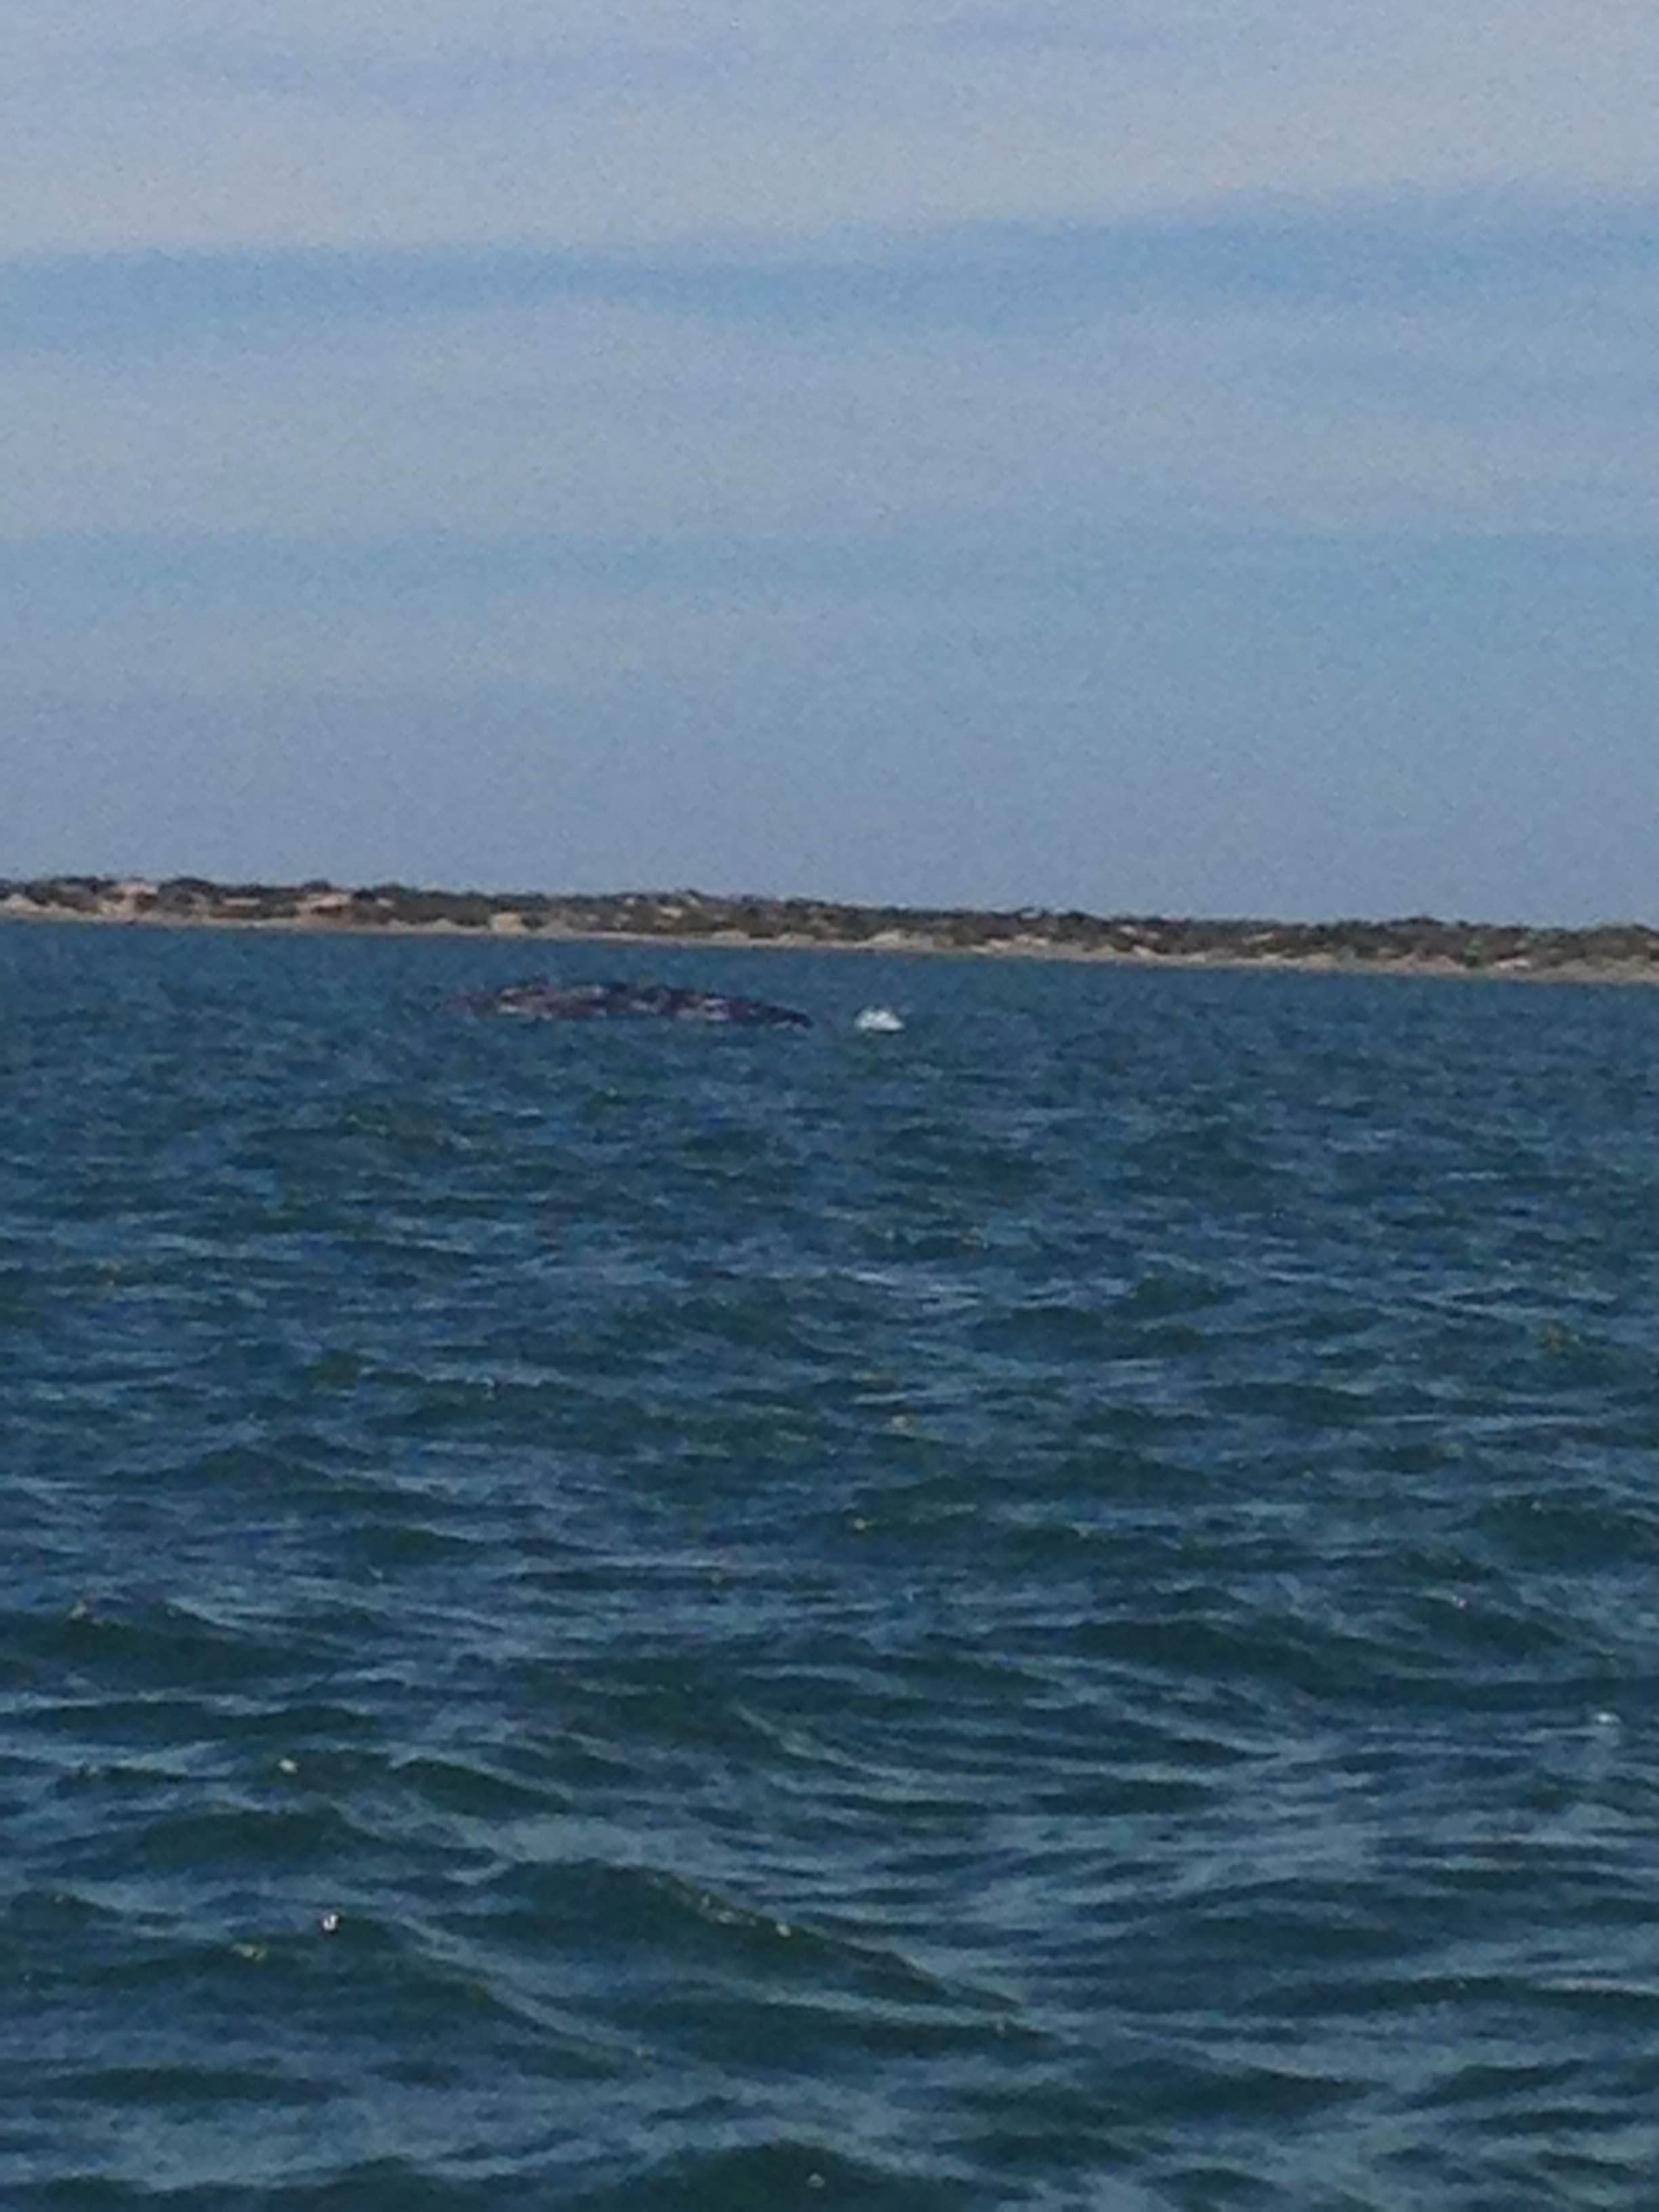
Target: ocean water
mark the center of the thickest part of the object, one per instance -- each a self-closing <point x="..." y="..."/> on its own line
<point x="1060" y="1609"/>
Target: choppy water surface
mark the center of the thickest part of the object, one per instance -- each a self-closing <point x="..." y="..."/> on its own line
<point x="1060" y="1609"/>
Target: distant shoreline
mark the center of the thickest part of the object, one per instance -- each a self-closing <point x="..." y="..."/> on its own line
<point x="1418" y="946"/>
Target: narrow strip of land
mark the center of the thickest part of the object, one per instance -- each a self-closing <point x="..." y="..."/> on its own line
<point x="1416" y="945"/>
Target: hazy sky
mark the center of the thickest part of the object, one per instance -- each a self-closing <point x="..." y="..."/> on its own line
<point x="1195" y="455"/>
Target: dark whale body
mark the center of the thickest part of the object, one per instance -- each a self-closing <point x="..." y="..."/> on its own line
<point x="542" y="1000"/>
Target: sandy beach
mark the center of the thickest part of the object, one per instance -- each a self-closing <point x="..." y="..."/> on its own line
<point x="1418" y="945"/>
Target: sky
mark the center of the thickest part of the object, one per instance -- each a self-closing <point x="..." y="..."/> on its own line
<point x="1182" y="456"/>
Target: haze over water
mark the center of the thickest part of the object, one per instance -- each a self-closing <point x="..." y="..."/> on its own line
<point x="1054" y="1610"/>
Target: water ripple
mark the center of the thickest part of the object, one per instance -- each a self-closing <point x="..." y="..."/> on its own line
<point x="1058" y="1616"/>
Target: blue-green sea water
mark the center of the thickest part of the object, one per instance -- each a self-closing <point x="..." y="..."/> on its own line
<point x="1060" y="1609"/>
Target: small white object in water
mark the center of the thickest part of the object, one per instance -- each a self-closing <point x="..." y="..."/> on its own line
<point x="878" y="1021"/>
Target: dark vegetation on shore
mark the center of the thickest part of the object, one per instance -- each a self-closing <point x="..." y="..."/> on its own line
<point x="1419" y="940"/>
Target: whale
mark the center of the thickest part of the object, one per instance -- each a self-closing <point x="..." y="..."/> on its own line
<point x="540" y="999"/>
